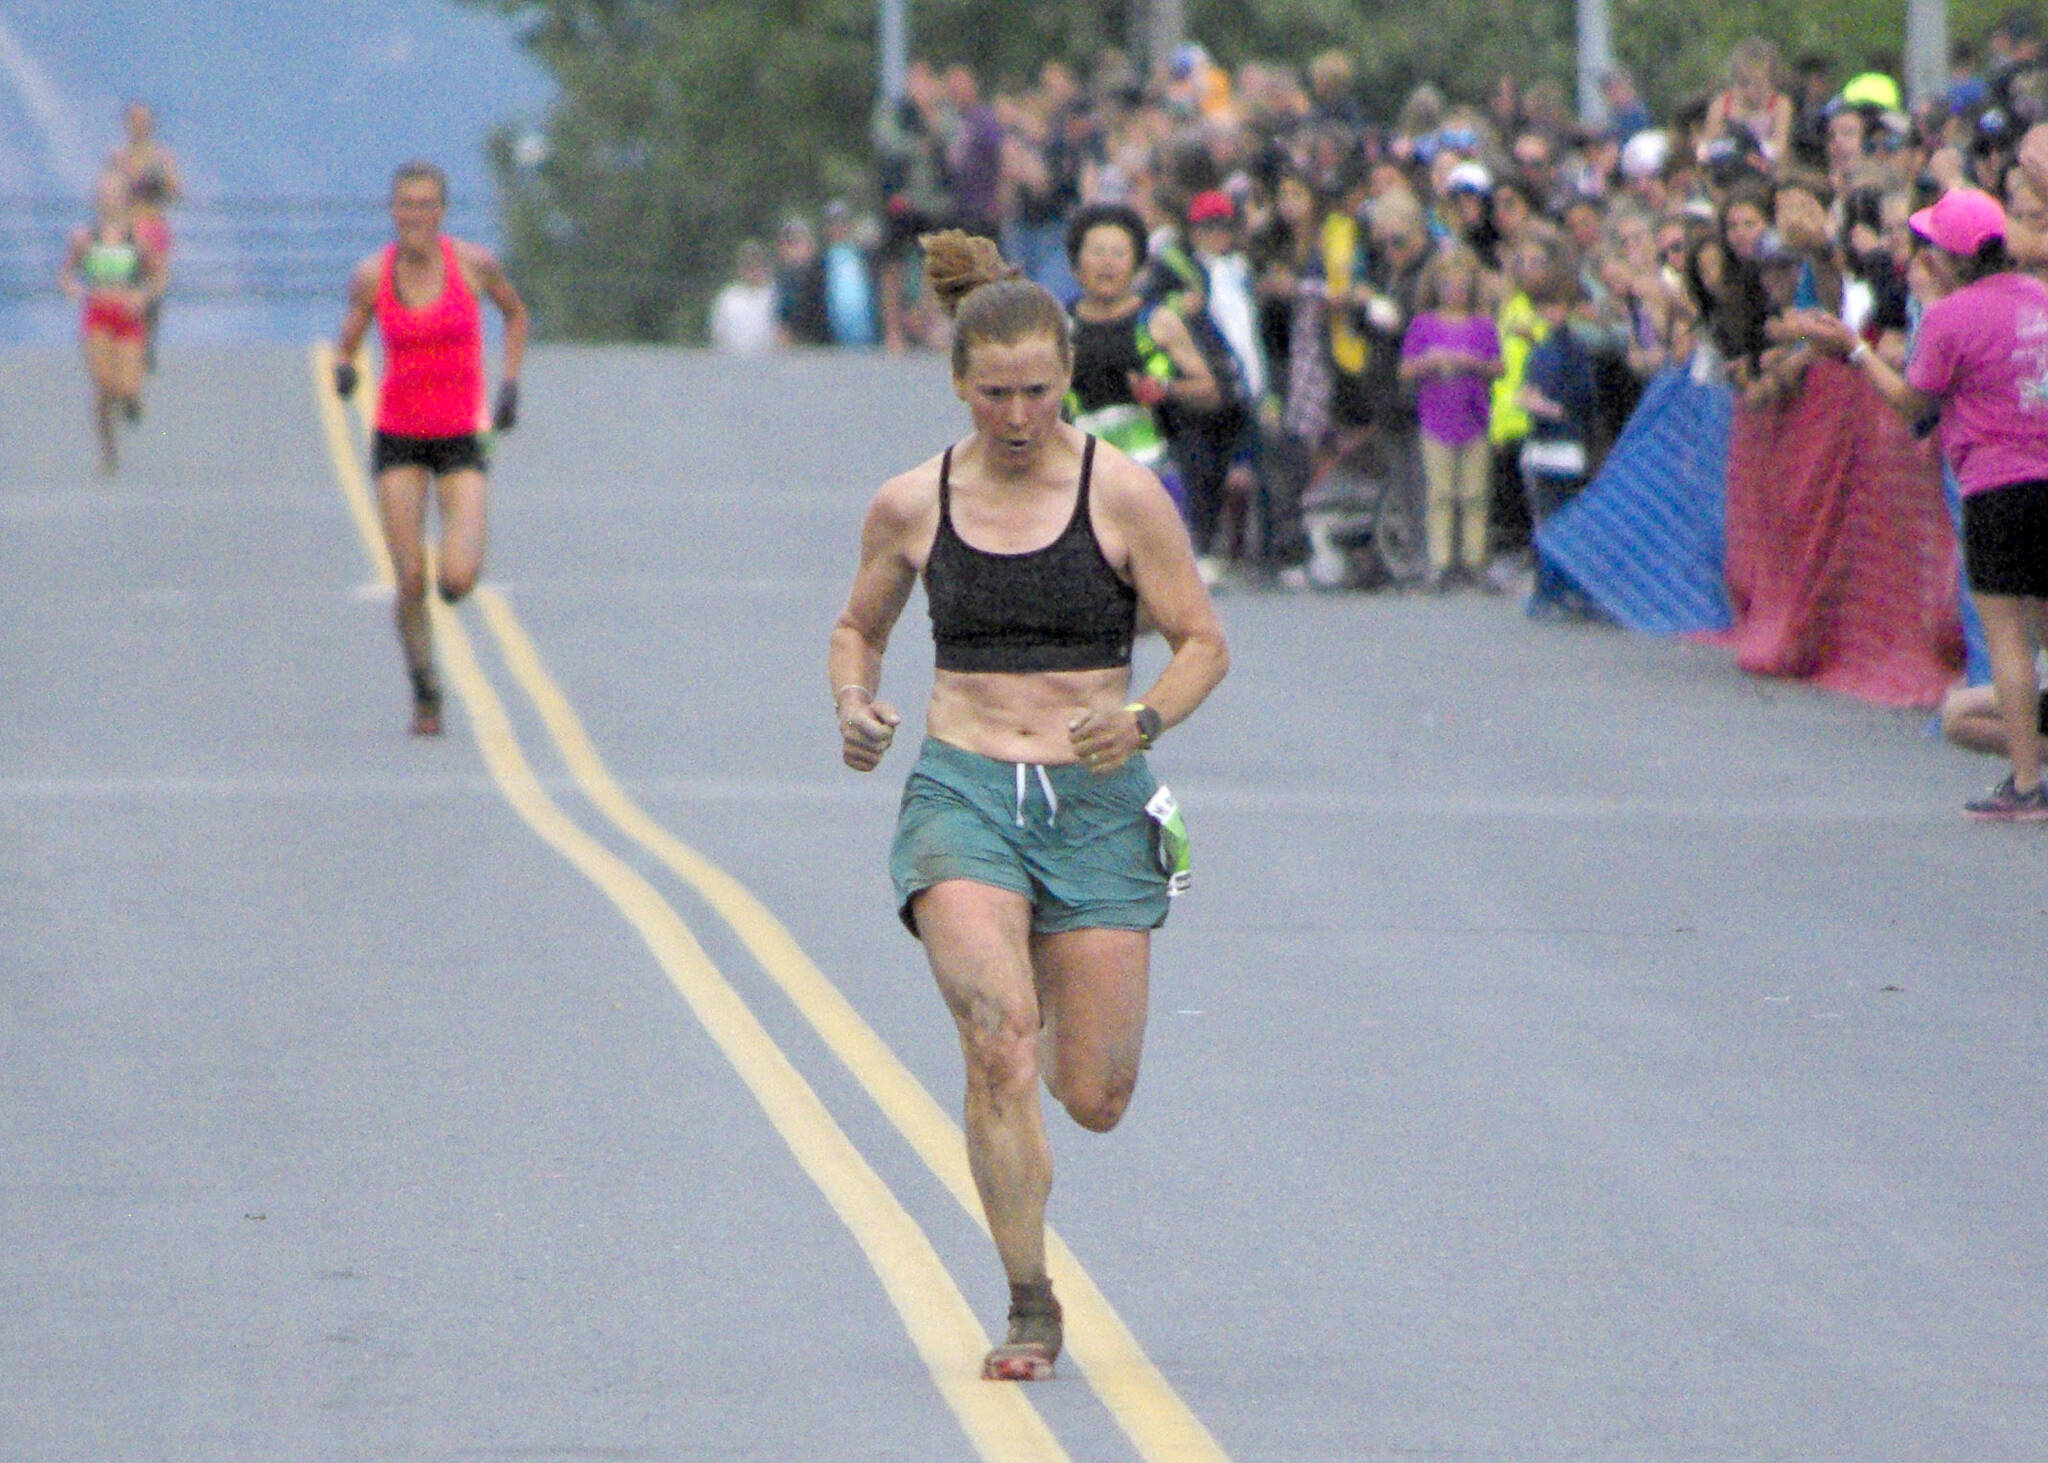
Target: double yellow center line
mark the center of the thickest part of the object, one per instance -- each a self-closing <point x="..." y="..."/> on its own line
<point x="998" y="1418"/>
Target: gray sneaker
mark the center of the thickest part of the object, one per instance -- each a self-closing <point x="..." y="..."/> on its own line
<point x="2005" y="803"/>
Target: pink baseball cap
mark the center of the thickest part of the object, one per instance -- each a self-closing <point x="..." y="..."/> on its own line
<point x="1960" y="221"/>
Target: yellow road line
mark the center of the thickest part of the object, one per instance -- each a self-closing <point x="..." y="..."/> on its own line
<point x="1000" y="1421"/>
<point x="355" y="487"/>
<point x="1159" y="1424"/>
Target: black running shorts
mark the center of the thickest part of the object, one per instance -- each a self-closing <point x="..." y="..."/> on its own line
<point x="2005" y="540"/>
<point x="438" y="455"/>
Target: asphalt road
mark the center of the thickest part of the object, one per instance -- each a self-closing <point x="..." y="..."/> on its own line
<point x="1570" y="1048"/>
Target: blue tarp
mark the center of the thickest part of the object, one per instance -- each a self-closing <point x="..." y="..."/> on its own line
<point x="1647" y="539"/>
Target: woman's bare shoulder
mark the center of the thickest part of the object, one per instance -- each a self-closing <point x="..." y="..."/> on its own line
<point x="477" y="260"/>
<point x="909" y="499"/>
<point x="364" y="278"/>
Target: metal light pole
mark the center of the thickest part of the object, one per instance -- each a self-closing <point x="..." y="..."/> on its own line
<point x="1596" y="58"/>
<point x="894" y="46"/>
<point x="1166" y="26"/>
<point x="1926" y="50"/>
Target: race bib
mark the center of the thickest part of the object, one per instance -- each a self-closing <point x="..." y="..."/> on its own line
<point x="1171" y="841"/>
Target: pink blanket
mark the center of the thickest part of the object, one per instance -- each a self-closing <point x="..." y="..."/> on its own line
<point x="1842" y="563"/>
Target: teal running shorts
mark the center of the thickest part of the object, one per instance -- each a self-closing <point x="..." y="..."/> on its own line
<point x="1082" y="847"/>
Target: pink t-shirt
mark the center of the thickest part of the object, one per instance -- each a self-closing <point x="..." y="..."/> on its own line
<point x="1984" y="352"/>
<point x="1453" y="409"/>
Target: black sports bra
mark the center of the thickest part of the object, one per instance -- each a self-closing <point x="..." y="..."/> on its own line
<point x="1059" y="608"/>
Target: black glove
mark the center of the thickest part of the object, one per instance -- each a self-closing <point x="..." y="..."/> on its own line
<point x="506" y="415"/>
<point x="345" y="379"/>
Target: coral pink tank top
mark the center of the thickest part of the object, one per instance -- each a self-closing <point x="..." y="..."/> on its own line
<point x="433" y="356"/>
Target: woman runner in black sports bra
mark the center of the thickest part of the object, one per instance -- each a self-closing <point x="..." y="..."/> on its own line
<point x="1025" y="857"/>
<point x="1062" y="607"/>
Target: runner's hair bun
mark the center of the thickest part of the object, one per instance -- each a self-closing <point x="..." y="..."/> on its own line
<point x="957" y="263"/>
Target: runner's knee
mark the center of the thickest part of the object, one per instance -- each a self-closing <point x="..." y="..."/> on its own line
<point x="412" y="583"/>
<point x="1102" y="1113"/>
<point x="455" y="586"/>
<point x="1001" y="1045"/>
<point x="1098" y="1106"/>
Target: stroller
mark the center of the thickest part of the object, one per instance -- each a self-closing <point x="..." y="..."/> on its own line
<point x="1362" y="511"/>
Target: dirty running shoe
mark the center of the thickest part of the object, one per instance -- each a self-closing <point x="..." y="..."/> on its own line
<point x="426" y="715"/>
<point x="1033" y="1344"/>
<point x="2005" y="803"/>
<point x="426" y="701"/>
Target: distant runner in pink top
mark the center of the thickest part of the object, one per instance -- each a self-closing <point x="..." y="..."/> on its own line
<point x="433" y="355"/>
<point x="422" y="291"/>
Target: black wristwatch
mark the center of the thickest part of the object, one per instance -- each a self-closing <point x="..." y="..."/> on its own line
<point x="1150" y="725"/>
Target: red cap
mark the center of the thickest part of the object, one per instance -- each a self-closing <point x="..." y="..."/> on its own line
<point x="1212" y="207"/>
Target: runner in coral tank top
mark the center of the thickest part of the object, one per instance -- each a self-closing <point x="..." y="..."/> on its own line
<point x="422" y="291"/>
<point x="434" y="355"/>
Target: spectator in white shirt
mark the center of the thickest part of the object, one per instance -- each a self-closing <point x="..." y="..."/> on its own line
<point x="743" y="312"/>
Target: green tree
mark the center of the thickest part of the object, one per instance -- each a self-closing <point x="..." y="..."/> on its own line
<point x="679" y="129"/>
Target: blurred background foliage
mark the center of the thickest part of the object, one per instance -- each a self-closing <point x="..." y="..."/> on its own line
<point x="684" y="126"/>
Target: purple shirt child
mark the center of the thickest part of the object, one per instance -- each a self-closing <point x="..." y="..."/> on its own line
<point x="1452" y="409"/>
<point x="1984" y="352"/>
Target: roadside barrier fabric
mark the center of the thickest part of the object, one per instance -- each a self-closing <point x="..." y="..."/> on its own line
<point x="1841" y="560"/>
<point x="1646" y="538"/>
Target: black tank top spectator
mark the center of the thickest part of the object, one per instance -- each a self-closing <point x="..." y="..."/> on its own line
<point x="1106" y="352"/>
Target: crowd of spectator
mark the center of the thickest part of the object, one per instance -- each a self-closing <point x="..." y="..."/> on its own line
<point x="1471" y="292"/>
